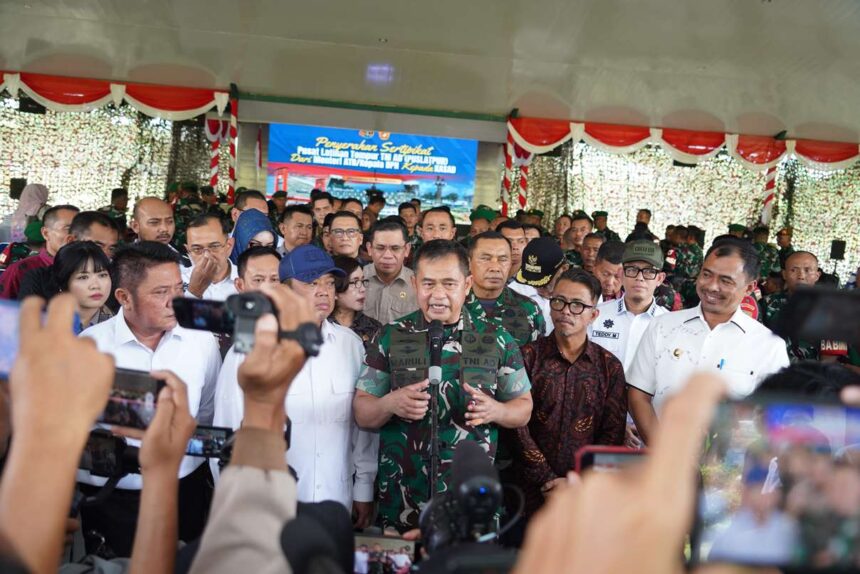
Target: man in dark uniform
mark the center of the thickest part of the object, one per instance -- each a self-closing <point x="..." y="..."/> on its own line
<point x="600" y="226"/>
<point x="783" y="240"/>
<point x="768" y="254"/>
<point x="484" y="386"/>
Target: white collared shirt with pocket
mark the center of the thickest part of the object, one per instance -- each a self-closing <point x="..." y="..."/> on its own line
<point x="620" y="331"/>
<point x="333" y="458"/>
<point x="677" y="344"/>
<point x="193" y="356"/>
<point x="216" y="291"/>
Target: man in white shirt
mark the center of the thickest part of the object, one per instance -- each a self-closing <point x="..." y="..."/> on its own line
<point x="362" y="556"/>
<point x="714" y="336"/>
<point x="333" y="458"/>
<point x="144" y="336"/>
<point x="390" y="293"/>
<point x="622" y="322"/>
<point x="211" y="274"/>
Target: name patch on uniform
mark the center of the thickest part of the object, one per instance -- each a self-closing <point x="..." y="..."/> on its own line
<point x="604" y="334"/>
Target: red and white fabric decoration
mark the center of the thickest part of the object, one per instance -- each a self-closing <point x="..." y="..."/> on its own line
<point x="769" y="195"/>
<point x="258" y="150"/>
<point x="234" y="136"/>
<point x="515" y="156"/>
<point x="758" y="153"/>
<point x="62" y="94"/>
<point x="217" y="131"/>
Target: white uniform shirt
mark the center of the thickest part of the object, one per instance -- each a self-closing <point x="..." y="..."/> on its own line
<point x="216" y="291"/>
<point x="676" y="345"/>
<point x="326" y="446"/>
<point x="361" y="562"/>
<point x="542" y="303"/>
<point x="619" y="331"/>
<point x="192" y="356"/>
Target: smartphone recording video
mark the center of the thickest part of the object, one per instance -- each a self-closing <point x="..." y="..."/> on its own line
<point x="208" y="442"/>
<point x="383" y="554"/>
<point x="607" y="458"/>
<point x="132" y="399"/>
<point x="781" y="486"/>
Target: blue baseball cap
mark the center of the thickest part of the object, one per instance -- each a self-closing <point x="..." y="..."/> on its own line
<point x="307" y="263"/>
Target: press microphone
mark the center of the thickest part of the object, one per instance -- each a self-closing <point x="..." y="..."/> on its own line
<point x="436" y="335"/>
<point x="475" y="482"/>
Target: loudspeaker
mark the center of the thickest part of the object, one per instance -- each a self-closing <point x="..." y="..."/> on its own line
<point x="837" y="250"/>
<point x="16" y="186"/>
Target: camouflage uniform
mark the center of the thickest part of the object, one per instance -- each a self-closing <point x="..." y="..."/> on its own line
<point x="16" y="252"/>
<point x="476" y="352"/>
<point x="517" y="314"/>
<point x="608" y="235"/>
<point x="185" y="211"/>
<point x="573" y="258"/>
<point x="772" y="307"/>
<point x="667" y="297"/>
<point x="784" y="252"/>
<point x="116" y="215"/>
<point x="690" y="260"/>
<point x="768" y="255"/>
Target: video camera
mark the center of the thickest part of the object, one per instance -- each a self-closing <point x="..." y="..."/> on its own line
<point x="457" y="524"/>
<point x="238" y="317"/>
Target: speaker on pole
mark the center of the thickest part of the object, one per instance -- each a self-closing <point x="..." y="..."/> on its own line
<point x="837" y="249"/>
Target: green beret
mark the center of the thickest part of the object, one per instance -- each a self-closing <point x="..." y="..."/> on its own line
<point x="537" y="212"/>
<point x="737" y="227"/>
<point x="33" y="232"/>
<point x="483" y="212"/>
<point x="597" y="214"/>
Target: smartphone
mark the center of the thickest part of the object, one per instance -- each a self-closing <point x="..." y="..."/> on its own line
<point x="384" y="554"/>
<point x="208" y="441"/>
<point x="132" y="399"/>
<point x="103" y="454"/>
<point x="237" y="316"/>
<point x="780" y="486"/>
<point x="607" y="458"/>
<point x="203" y="315"/>
<point x="9" y="318"/>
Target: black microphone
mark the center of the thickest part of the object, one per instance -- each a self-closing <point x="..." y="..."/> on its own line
<point x="308" y="548"/>
<point x="475" y="483"/>
<point x="436" y="335"/>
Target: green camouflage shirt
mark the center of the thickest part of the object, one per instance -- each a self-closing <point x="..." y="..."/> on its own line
<point x="609" y="235"/>
<point x="772" y="307"/>
<point x="517" y="314"/>
<point x="183" y="213"/>
<point x="573" y="258"/>
<point x="690" y="259"/>
<point x="784" y="252"/>
<point x="768" y="255"/>
<point x="476" y="352"/>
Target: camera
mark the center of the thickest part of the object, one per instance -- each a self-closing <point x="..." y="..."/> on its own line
<point x="238" y="317"/>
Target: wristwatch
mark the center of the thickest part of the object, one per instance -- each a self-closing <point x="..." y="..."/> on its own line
<point x="308" y="335"/>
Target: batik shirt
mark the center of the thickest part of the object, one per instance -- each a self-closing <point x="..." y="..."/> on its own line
<point x="475" y="352"/>
<point x="517" y="314"/>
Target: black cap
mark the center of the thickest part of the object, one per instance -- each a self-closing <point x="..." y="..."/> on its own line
<point x="541" y="259"/>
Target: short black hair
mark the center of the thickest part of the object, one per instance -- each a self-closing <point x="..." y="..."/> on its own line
<point x="407" y="205"/>
<point x="73" y="257"/>
<point x="583" y="277"/>
<point x="809" y="379"/>
<point x="344" y="201"/>
<point x="533" y="226"/>
<point x="376" y="198"/>
<point x="328" y="219"/>
<point x="388" y="225"/>
<point x="582" y="216"/>
<point x="729" y="245"/>
<point x="133" y="261"/>
<point x="53" y="213"/>
<point x="486" y="235"/>
<point x="349" y="214"/>
<point x="84" y="220"/>
<point x="761" y="229"/>
<point x="118" y="192"/>
<point x="594" y="235"/>
<point x="324" y="195"/>
<point x="207" y="190"/>
<point x="415" y="200"/>
<point x="242" y="198"/>
<point x="442" y="209"/>
<point x="682" y="232"/>
<point x="564" y="215"/>
<point x="291" y="209"/>
<point x="348" y="265"/>
<point x="440" y="248"/>
<point x="203" y="220"/>
<point x="645" y="210"/>
<point x="509" y="224"/>
<point x="250" y="253"/>
<point x="611" y="252"/>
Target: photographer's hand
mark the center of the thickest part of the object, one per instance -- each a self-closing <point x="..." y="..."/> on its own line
<point x="269" y="369"/>
<point x="580" y="524"/>
<point x="59" y="384"/>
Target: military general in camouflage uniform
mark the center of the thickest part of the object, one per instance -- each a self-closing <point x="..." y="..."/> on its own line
<point x="484" y="386"/>
<point x="491" y="300"/>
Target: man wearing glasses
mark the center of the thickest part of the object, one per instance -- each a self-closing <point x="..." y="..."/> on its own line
<point x="578" y="389"/>
<point x="346" y="235"/>
<point x="211" y="275"/>
<point x="390" y="293"/>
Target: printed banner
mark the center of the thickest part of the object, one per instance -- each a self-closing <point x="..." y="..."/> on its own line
<point x="353" y="163"/>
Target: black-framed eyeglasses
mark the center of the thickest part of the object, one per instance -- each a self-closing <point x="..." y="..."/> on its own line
<point x="647" y="272"/>
<point x="359" y="283"/>
<point x="575" y="307"/>
<point x="351" y="233"/>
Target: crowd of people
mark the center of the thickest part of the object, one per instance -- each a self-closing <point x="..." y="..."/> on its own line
<point x="556" y="335"/>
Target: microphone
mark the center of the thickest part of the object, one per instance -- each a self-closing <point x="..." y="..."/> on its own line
<point x="436" y="335"/>
<point x="475" y="483"/>
<point x="308" y="548"/>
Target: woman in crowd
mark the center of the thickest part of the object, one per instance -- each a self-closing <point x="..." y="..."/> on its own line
<point x="349" y="300"/>
<point x="253" y="229"/>
<point x="82" y="269"/>
<point x="31" y="205"/>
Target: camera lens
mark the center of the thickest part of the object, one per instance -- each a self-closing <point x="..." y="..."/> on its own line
<point x="249" y="305"/>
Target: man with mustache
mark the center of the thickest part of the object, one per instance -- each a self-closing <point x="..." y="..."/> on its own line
<point x="483" y="385"/>
<point x="578" y="388"/>
<point x="716" y="335"/>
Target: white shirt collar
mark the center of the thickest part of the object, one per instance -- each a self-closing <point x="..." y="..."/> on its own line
<point x="739" y="318"/>
<point x="622" y="306"/>
<point x="124" y="334"/>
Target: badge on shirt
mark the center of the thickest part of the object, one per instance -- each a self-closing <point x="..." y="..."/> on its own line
<point x="403" y="294"/>
<point x="604" y="334"/>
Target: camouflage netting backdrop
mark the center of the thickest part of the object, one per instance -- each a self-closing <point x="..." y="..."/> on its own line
<point x="822" y="206"/>
<point x="82" y="156"/>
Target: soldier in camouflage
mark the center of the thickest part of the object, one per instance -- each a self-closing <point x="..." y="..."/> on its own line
<point x="484" y="386"/>
<point x="117" y="209"/>
<point x="571" y="242"/>
<point x="801" y="269"/>
<point x="491" y="300"/>
<point x="600" y="227"/>
<point x="16" y="251"/>
<point x="768" y="254"/>
<point x="187" y="208"/>
<point x="783" y="240"/>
